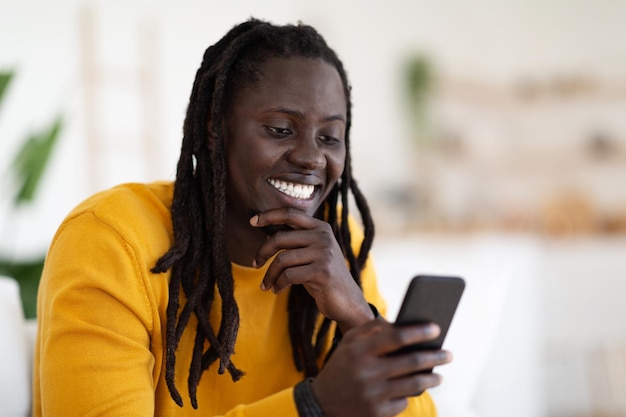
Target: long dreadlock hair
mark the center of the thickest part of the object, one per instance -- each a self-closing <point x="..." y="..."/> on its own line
<point x="196" y="259"/>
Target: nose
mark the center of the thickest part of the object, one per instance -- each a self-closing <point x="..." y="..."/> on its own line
<point x="307" y="153"/>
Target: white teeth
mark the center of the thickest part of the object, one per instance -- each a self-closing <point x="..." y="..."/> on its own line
<point x="301" y="191"/>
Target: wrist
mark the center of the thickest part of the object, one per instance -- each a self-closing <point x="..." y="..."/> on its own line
<point x="362" y="316"/>
<point x="367" y="313"/>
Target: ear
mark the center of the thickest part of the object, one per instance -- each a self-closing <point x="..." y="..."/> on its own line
<point x="211" y="134"/>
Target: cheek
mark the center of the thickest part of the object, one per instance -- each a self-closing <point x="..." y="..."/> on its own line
<point x="336" y="165"/>
<point x="239" y="153"/>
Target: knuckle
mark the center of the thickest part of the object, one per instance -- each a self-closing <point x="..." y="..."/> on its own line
<point x="291" y="213"/>
<point x="419" y="384"/>
<point x="400" y="338"/>
<point x="328" y="252"/>
<point x="327" y="237"/>
<point x="416" y="360"/>
<point x="288" y="275"/>
<point x="322" y="270"/>
<point x="274" y="240"/>
<point x="423" y="382"/>
<point x="280" y="260"/>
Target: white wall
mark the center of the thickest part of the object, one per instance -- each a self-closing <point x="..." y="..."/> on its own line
<point x="486" y="40"/>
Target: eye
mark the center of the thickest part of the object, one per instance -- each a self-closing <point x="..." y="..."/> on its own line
<point x="278" y="131"/>
<point x="329" y="140"/>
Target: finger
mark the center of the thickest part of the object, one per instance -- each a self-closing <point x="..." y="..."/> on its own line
<point x="413" y="362"/>
<point x="395" y="338"/>
<point x="363" y="335"/>
<point x="395" y="406"/>
<point x="283" y="268"/>
<point x="366" y="340"/>
<point x="291" y="276"/>
<point x="413" y="385"/>
<point x="294" y="218"/>
<point x="283" y="240"/>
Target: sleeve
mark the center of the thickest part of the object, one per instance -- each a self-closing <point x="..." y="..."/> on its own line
<point x="99" y="349"/>
<point x="281" y="403"/>
<point x="95" y="325"/>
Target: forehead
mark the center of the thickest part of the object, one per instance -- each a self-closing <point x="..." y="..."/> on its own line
<point x="296" y="82"/>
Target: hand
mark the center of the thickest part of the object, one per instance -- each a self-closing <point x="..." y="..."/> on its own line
<point x="362" y="379"/>
<point x="309" y="254"/>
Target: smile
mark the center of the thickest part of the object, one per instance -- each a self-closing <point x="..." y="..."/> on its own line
<point x="300" y="191"/>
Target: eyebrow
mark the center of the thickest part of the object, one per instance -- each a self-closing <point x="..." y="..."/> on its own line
<point x="300" y="115"/>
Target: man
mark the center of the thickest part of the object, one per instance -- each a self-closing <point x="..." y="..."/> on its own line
<point x="249" y="264"/>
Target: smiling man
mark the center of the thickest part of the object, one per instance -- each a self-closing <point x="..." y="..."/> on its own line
<point x="246" y="280"/>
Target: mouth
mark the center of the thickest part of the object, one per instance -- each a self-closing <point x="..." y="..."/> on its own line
<point x="292" y="189"/>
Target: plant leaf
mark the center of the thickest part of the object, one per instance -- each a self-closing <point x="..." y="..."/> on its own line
<point x="31" y="161"/>
<point x="27" y="273"/>
<point x="5" y="79"/>
<point x="419" y="79"/>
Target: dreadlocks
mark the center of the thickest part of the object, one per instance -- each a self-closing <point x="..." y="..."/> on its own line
<point x="196" y="259"/>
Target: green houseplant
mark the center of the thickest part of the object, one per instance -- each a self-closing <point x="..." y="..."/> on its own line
<point x="419" y="80"/>
<point x="25" y="173"/>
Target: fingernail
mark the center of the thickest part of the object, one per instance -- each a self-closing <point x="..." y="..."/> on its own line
<point x="254" y="263"/>
<point x="263" y="286"/>
<point x="434" y="330"/>
<point x="254" y="220"/>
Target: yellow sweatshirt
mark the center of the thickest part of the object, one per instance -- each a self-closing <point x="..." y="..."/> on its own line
<point x="101" y="319"/>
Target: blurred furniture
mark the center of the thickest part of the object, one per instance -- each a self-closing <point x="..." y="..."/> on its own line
<point x="606" y="368"/>
<point x="15" y="352"/>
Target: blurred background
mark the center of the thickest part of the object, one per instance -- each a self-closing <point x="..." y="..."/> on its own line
<point x="489" y="136"/>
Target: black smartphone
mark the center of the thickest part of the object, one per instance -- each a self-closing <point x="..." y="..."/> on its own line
<point x="430" y="298"/>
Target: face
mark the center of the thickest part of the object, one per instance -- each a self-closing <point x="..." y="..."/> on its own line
<point x="285" y="138"/>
